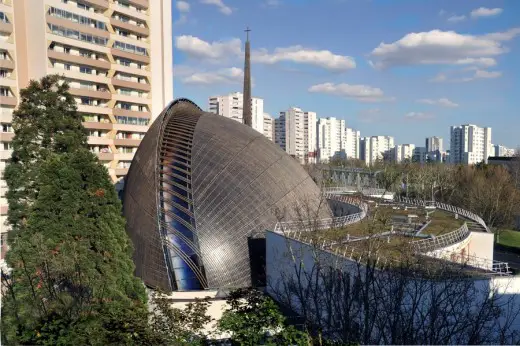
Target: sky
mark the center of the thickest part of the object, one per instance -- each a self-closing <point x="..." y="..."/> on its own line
<point x="403" y="68"/>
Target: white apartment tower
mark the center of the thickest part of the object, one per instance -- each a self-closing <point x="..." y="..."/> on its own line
<point x="403" y="152"/>
<point x="116" y="56"/>
<point x="231" y="106"/>
<point x="433" y="144"/>
<point x="295" y="132"/>
<point x="374" y="148"/>
<point x="352" y="145"/>
<point x="470" y="144"/>
<point x="331" y="139"/>
<point x="500" y="150"/>
<point x="269" y="127"/>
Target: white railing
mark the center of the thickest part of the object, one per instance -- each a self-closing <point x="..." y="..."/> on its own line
<point x="322" y="224"/>
<point x="443" y="206"/>
<point x="442" y="241"/>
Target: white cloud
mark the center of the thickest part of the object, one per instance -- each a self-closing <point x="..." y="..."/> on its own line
<point x="441" y="47"/>
<point x="444" y="102"/>
<point x="442" y="12"/>
<point x="503" y="36"/>
<point x="418" y="116"/>
<point x="478" y="74"/>
<point x="485" y="12"/>
<point x="183" y="6"/>
<point x="233" y="75"/>
<point x="321" y="58"/>
<point x="363" y="93"/>
<point x="487" y="74"/>
<point x="223" y="8"/>
<point x="221" y="51"/>
<point x="213" y="52"/>
<point x="455" y="19"/>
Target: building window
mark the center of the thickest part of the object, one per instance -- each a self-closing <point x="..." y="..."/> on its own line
<point x="84" y="69"/>
<point x="4" y="73"/>
<point x="3" y="18"/>
<point x="76" y="35"/>
<point x="4" y="92"/>
<point x="130" y="48"/>
<point x="124" y="91"/>
<point x="8" y="146"/>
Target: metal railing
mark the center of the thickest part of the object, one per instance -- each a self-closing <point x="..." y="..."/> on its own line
<point x="322" y="224"/>
<point x="443" y="206"/>
<point x="442" y="241"/>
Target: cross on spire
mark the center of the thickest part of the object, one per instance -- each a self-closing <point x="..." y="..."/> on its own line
<point x="247" y="33"/>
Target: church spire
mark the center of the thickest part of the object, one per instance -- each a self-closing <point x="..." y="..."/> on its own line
<point x="247" y="111"/>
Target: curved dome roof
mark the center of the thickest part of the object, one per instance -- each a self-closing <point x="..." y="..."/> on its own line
<point x="198" y="187"/>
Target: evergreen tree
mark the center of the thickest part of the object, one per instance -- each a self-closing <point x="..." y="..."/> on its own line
<point x="46" y="121"/>
<point x="71" y="278"/>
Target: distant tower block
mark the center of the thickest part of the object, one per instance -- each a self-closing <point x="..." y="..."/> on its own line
<point x="247" y="111"/>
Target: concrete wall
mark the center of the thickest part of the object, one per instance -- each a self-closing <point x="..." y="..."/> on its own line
<point x="287" y="260"/>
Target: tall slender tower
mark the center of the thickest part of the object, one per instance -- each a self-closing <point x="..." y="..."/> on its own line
<point x="247" y="112"/>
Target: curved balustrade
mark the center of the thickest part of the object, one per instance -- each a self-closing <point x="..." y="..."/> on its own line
<point x="444" y="206"/>
<point x="422" y="246"/>
<point x="434" y="243"/>
<point x="321" y="224"/>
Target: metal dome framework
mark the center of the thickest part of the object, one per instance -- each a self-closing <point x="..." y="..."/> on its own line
<point x="198" y="187"/>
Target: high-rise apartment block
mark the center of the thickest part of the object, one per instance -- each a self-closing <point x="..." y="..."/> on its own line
<point x="434" y="144"/>
<point x="403" y="152"/>
<point x="295" y="132"/>
<point x="116" y="56"/>
<point x="269" y="127"/>
<point x="375" y="148"/>
<point x="331" y="139"/>
<point x="500" y="150"/>
<point x="470" y="144"/>
<point x="352" y="146"/>
<point x="231" y="106"/>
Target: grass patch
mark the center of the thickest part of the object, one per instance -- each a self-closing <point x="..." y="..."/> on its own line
<point x="508" y="238"/>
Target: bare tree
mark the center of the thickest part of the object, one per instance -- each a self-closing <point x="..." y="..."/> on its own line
<point x="368" y="295"/>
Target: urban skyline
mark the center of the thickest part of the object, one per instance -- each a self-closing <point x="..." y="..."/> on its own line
<point x="325" y="67"/>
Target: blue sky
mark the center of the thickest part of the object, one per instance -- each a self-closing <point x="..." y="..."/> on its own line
<point x="403" y="68"/>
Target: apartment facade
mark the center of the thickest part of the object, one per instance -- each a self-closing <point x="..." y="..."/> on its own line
<point x="331" y="139"/>
<point x="352" y="146"/>
<point x="374" y="148"/>
<point x="433" y="144"/>
<point x="500" y="150"/>
<point x="232" y="106"/>
<point x="295" y="132"/>
<point x="269" y="127"/>
<point x="116" y="56"/>
<point x="470" y="144"/>
<point x="403" y="152"/>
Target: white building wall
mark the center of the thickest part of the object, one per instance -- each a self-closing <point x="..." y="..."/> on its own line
<point x="375" y="147"/>
<point x="403" y="152"/>
<point x="269" y="127"/>
<point x="295" y="132"/>
<point x="231" y="106"/>
<point x="331" y="139"/>
<point x="470" y="144"/>
<point x="500" y="150"/>
<point x="434" y="144"/>
<point x="352" y="143"/>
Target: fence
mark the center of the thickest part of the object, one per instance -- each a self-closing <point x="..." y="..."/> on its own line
<point x="322" y="224"/>
<point x="431" y="244"/>
<point x="443" y="206"/>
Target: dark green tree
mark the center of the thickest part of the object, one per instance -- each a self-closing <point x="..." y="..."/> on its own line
<point x="45" y="122"/>
<point x="71" y="278"/>
<point x="72" y="275"/>
<point x="254" y="319"/>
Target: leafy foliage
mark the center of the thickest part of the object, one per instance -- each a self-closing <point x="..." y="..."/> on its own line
<point x="72" y="276"/>
<point x="254" y="319"/>
<point x="45" y="122"/>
